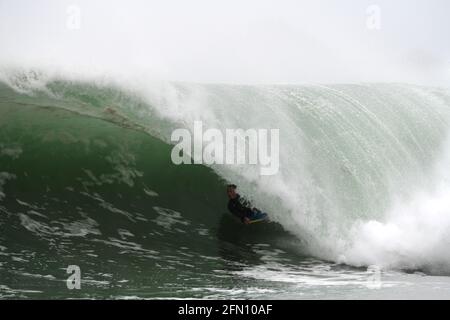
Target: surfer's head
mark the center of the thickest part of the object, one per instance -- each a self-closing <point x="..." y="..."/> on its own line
<point x="231" y="191"/>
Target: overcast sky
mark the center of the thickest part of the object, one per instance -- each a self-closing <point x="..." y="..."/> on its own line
<point x="258" y="41"/>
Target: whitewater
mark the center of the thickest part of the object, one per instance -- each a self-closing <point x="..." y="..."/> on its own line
<point x="360" y="206"/>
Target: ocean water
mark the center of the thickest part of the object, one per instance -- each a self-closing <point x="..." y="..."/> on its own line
<point x="360" y="208"/>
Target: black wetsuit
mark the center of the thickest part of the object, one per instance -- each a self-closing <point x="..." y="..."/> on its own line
<point x="240" y="207"/>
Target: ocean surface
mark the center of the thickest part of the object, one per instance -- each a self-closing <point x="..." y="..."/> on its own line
<point x="360" y="207"/>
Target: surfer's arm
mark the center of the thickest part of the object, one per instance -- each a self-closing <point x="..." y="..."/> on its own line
<point x="238" y="211"/>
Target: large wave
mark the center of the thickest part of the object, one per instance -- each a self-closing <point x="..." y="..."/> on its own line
<point x="363" y="173"/>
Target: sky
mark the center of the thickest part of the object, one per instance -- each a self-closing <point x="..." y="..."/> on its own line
<point x="229" y="41"/>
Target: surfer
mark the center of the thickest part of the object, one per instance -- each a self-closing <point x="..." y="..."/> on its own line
<point x="239" y="206"/>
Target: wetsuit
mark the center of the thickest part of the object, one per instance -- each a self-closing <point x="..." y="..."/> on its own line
<point x="240" y="207"/>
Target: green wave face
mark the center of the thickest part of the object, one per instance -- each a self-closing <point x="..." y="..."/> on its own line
<point x="78" y="190"/>
<point x="86" y="179"/>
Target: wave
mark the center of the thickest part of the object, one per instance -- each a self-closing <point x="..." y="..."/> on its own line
<point x="362" y="179"/>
